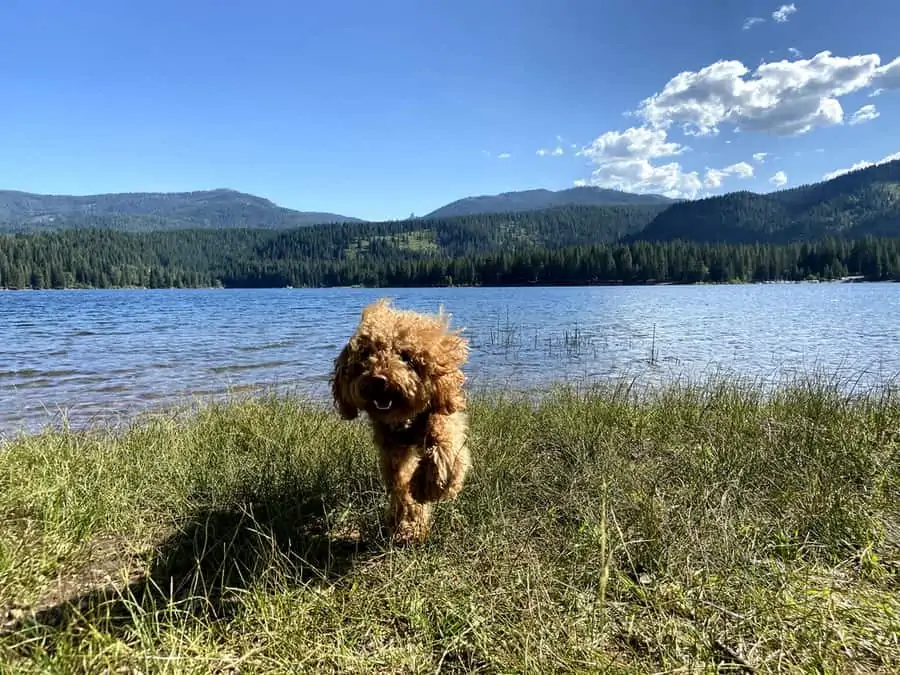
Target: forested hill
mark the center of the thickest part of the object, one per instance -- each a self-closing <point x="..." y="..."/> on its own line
<point x="563" y="245"/>
<point x="537" y="200"/>
<point x="267" y="258"/>
<point x="146" y="211"/>
<point x="347" y="246"/>
<point x="857" y="204"/>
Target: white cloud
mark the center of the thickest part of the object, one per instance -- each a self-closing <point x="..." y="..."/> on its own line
<point x="781" y="14"/>
<point x="504" y="155"/>
<point x="633" y="143"/>
<point x="741" y="170"/>
<point x="888" y="76"/>
<point x="861" y="165"/>
<point x="793" y="51"/>
<point x="714" y="177"/>
<point x="876" y="92"/>
<point x="639" y="175"/>
<point x="554" y="152"/>
<point x="752" y="21"/>
<point x="865" y="114"/>
<point x="780" y="97"/>
<point x="581" y="182"/>
<point x="623" y="161"/>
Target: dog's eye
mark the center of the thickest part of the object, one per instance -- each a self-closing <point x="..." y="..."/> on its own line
<point x="363" y="353"/>
<point x="406" y="357"/>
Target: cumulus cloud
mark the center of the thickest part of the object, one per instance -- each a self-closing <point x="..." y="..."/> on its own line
<point x="752" y="21"/>
<point x="780" y="97"/>
<point x="861" y="165"/>
<point x="865" y="114"/>
<point x="888" y="76"/>
<point x="876" y="92"/>
<point x="782" y="14"/>
<point x="641" y="176"/>
<point x="552" y="152"/>
<point x="624" y="162"/>
<point x="714" y="177"/>
<point x="793" y="51"/>
<point x="633" y="143"/>
<point x="741" y="170"/>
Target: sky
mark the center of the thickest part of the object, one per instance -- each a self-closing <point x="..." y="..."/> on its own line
<point x="382" y="109"/>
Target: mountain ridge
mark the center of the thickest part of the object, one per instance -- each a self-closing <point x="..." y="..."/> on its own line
<point x="540" y="199"/>
<point x="864" y="202"/>
<point x="860" y="203"/>
<point x="222" y="208"/>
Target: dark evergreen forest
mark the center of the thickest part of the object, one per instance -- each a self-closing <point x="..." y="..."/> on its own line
<point x="253" y="259"/>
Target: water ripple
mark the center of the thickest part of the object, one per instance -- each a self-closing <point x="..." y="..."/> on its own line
<point x="106" y="354"/>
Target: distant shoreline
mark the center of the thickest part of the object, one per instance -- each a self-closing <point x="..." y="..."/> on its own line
<point x="632" y="284"/>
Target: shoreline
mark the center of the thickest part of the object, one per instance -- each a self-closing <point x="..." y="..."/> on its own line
<point x="599" y="284"/>
<point x="636" y="387"/>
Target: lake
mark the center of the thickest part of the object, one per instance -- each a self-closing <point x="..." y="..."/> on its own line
<point x="102" y="354"/>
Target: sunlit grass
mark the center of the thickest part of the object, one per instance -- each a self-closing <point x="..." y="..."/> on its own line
<point x="686" y="527"/>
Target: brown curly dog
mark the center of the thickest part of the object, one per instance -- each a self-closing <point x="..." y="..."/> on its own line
<point x="404" y="370"/>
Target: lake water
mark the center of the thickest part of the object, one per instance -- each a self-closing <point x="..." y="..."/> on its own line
<point x="96" y="354"/>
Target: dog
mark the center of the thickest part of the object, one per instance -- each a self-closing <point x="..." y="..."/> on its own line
<point x="404" y="370"/>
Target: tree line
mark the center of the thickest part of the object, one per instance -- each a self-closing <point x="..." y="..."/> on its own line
<point x="257" y="259"/>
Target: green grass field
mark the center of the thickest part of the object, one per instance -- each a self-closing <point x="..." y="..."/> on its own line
<point x="691" y="529"/>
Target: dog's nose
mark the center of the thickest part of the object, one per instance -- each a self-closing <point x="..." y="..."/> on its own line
<point x="377" y="384"/>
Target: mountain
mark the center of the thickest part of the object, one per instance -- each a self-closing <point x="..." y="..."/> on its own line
<point x="862" y="203"/>
<point x="536" y="200"/>
<point x="145" y="211"/>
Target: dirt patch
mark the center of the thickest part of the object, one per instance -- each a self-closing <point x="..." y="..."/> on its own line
<point x="111" y="562"/>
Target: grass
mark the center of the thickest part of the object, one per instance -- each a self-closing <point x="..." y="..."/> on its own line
<point x="686" y="529"/>
<point x="571" y="342"/>
<point x="416" y="241"/>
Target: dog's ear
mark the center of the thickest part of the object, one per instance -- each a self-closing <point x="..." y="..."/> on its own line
<point x="448" y="396"/>
<point x="339" y="384"/>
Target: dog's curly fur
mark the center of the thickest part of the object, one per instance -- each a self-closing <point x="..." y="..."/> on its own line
<point x="403" y="369"/>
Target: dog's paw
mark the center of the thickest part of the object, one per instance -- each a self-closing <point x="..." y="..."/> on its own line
<point x="408" y="533"/>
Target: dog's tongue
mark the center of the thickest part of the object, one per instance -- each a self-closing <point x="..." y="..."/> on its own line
<point x="383" y="404"/>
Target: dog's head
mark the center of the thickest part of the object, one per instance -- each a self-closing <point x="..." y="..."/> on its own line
<point x="399" y="364"/>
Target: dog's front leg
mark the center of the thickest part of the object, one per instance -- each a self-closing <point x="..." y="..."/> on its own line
<point x="408" y="517"/>
<point x="443" y="469"/>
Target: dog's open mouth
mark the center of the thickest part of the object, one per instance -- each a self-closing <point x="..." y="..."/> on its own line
<point x="383" y="404"/>
<point x="382" y="398"/>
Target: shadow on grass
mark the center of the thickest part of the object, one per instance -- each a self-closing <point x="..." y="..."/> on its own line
<point x="201" y="571"/>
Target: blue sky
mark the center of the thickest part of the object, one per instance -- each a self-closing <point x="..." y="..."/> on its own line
<point x="380" y="109"/>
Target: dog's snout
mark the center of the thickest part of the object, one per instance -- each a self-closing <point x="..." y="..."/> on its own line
<point x="377" y="385"/>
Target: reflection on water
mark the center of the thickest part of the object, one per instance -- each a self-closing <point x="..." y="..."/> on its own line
<point x="97" y="354"/>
